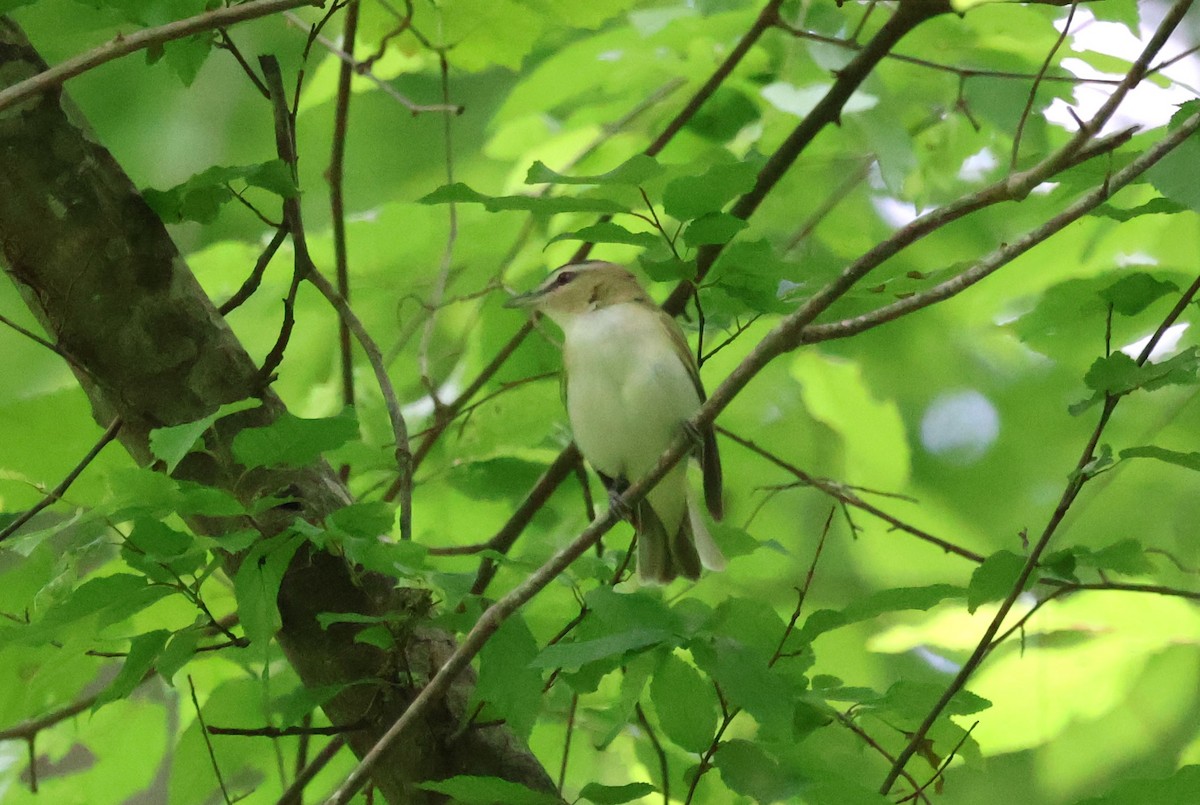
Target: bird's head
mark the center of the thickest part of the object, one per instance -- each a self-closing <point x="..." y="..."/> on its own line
<point x="578" y="288"/>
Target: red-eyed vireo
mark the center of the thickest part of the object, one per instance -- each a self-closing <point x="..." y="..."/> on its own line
<point x="631" y="383"/>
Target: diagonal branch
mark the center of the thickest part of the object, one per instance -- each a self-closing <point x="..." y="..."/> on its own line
<point x="124" y="44"/>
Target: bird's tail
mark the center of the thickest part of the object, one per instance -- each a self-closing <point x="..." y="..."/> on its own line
<point x="663" y="556"/>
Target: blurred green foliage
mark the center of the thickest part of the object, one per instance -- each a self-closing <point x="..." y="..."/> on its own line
<point x="954" y="420"/>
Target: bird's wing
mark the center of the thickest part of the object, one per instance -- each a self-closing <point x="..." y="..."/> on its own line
<point x="710" y="459"/>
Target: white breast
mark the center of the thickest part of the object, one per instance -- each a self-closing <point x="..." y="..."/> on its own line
<point x="628" y="392"/>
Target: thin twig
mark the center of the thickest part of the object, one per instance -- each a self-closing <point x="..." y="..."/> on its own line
<point x="292" y="215"/>
<point x="664" y="768"/>
<point x="337" y="197"/>
<point x="845" y="496"/>
<point x="252" y="282"/>
<point x="294" y="792"/>
<point x="1041" y="73"/>
<point x="562" y="769"/>
<point x="443" y="276"/>
<point x="55" y="348"/>
<point x="283" y="732"/>
<point x="212" y="755"/>
<point x="124" y="44"/>
<point x="849" y="723"/>
<point x="388" y="89"/>
<point x="1077" y="479"/>
<point x="58" y="491"/>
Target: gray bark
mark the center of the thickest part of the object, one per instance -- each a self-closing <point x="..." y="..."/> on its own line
<point x="101" y="274"/>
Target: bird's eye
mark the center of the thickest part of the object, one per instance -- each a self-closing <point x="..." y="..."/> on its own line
<point x="563" y="278"/>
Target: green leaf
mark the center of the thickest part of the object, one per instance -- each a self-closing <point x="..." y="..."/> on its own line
<point x="608" y="232"/>
<point x="1189" y="461"/>
<point x="715" y="227"/>
<point x="748" y="770"/>
<point x="171" y="444"/>
<point x="748" y="681"/>
<point x="489" y="791"/>
<point x="179" y="650"/>
<point x="685" y="703"/>
<point x="1175" y="175"/>
<point x="1155" y="206"/>
<point x="691" y="197"/>
<point x="913" y="700"/>
<point x="547" y="205"/>
<point x="667" y="269"/>
<point x="1127" y="557"/>
<point x="751" y="273"/>
<point x="367" y="520"/>
<point x="143" y="651"/>
<point x="378" y="636"/>
<point x="616" y="794"/>
<point x="724" y="114"/>
<point x="1120" y="374"/>
<point x="994" y="579"/>
<point x="508" y="683"/>
<point x="256" y="585"/>
<point x="186" y="56"/>
<point x="200" y="197"/>
<point x="872" y="606"/>
<point x="1132" y="294"/>
<point x="634" y="171"/>
<point x="578" y="654"/>
<point x="158" y="540"/>
<point x="292" y="441"/>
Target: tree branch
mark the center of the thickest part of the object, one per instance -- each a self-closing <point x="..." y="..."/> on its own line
<point x="123" y="45"/>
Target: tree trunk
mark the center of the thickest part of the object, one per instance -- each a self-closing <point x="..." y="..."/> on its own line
<point x="98" y="269"/>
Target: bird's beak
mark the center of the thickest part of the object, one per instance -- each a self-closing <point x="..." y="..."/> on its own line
<point x="525" y="299"/>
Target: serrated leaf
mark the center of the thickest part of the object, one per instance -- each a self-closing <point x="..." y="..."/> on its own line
<point x="994" y="579"/>
<point x="200" y="197"/>
<point x="713" y="228"/>
<point x="1126" y="556"/>
<point x="186" y="56"/>
<point x="913" y="700"/>
<point x="685" y="703"/>
<point x="488" y="791"/>
<point x="748" y="770"/>
<point x="608" y="232"/>
<point x="578" y="654"/>
<point x="1119" y="374"/>
<point x="256" y="585"/>
<point x="668" y="269"/>
<point x="634" y="171"/>
<point x="509" y="685"/>
<point x="615" y="794"/>
<point x="871" y="606"/>
<point x="547" y="205"/>
<point x="171" y="444"/>
<point x="292" y="441"/>
<point x="1132" y="294"/>
<point x="143" y="651"/>
<point x="690" y="197"/>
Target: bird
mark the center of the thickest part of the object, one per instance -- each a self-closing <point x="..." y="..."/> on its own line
<point x="631" y="385"/>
